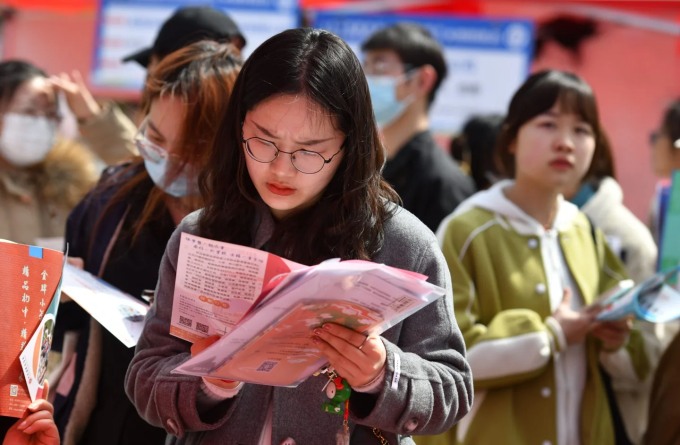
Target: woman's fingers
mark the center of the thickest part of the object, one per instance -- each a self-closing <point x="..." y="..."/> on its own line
<point x="42" y="425"/>
<point x="352" y="337"/>
<point x="344" y="347"/>
<point x="34" y="417"/>
<point x="345" y="366"/>
<point x="41" y="405"/>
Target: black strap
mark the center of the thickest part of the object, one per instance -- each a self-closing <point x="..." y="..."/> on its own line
<point x="620" y="435"/>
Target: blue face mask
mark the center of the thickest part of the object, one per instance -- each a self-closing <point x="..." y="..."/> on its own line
<point x="386" y="107"/>
<point x="178" y="188"/>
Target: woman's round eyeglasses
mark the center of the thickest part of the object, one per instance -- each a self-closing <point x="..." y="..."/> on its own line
<point x="304" y="161"/>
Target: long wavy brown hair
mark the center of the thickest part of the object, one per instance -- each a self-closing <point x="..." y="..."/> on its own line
<point x="348" y="221"/>
<point x="202" y="75"/>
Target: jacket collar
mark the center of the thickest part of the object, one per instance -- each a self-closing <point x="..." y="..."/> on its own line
<point x="495" y="201"/>
<point x="608" y="197"/>
<point x="17" y="183"/>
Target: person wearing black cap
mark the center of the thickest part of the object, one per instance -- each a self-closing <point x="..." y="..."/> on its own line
<point x="186" y="26"/>
<point x="105" y="128"/>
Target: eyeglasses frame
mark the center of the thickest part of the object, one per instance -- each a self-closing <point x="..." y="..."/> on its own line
<point x="291" y="153"/>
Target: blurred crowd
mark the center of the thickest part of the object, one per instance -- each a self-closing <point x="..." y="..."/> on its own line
<point x="524" y="211"/>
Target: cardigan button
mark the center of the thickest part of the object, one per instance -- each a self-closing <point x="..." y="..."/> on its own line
<point x="540" y="288"/>
<point x="411" y="425"/>
<point x="545" y="392"/>
<point x="533" y="243"/>
<point x="171" y="427"/>
<point x="546" y="442"/>
<point x="288" y="441"/>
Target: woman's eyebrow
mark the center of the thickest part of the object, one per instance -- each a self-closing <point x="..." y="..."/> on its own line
<point x="264" y="130"/>
<point x="156" y="130"/>
<point x="307" y="142"/>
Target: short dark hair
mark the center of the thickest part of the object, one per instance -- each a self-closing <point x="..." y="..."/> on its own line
<point x="414" y="45"/>
<point x="476" y="144"/>
<point x="539" y="93"/>
<point x="671" y="121"/>
<point x="13" y="74"/>
<point x="602" y="165"/>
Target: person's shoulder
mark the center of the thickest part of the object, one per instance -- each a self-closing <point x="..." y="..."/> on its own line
<point x="406" y="229"/>
<point x="408" y="243"/>
<point x="472" y="219"/>
<point x="464" y="227"/>
<point x="112" y="180"/>
<point x="443" y="169"/>
<point x="68" y="173"/>
<point x="190" y="223"/>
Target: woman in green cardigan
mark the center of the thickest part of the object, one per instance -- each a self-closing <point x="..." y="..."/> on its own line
<point x="526" y="267"/>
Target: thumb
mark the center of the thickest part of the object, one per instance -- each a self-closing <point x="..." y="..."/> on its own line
<point x="76" y="262"/>
<point x="78" y="78"/>
<point x="200" y="345"/>
<point x="566" y="298"/>
<point x="46" y="389"/>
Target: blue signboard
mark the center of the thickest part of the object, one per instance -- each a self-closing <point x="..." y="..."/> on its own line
<point x="487" y="59"/>
<point x="126" y="26"/>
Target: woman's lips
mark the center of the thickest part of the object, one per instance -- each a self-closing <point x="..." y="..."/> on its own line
<point x="280" y="190"/>
<point x="561" y="164"/>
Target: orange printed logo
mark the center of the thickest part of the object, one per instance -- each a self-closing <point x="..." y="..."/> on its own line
<point x="209" y="300"/>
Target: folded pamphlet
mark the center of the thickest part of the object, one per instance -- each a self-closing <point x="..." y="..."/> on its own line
<point x="268" y="328"/>
<point x="656" y="300"/>
<point x="119" y="313"/>
<point x="29" y="288"/>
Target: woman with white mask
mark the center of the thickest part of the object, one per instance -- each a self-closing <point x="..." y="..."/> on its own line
<point x="42" y="176"/>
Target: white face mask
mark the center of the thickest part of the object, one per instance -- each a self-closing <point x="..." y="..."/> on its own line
<point x="26" y="140"/>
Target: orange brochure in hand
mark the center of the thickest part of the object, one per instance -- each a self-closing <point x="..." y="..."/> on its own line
<point x="29" y="281"/>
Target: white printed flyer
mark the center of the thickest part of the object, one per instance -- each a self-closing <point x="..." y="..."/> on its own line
<point x="119" y="313"/>
<point x="217" y="284"/>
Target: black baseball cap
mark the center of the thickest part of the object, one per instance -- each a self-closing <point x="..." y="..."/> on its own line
<point x="186" y="26"/>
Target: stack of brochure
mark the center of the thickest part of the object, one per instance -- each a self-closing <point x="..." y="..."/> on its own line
<point x="267" y="308"/>
<point x="656" y="300"/>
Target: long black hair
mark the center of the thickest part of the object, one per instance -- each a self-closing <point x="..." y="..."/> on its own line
<point x="539" y="93"/>
<point x="348" y="220"/>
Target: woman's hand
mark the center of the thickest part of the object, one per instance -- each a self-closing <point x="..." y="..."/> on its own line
<point x="80" y="100"/>
<point x="37" y="427"/>
<point x="200" y="346"/>
<point x="614" y="334"/>
<point x="78" y="263"/>
<point x="575" y="324"/>
<point x="341" y="348"/>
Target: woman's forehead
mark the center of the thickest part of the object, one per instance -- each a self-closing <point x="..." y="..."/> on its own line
<point x="293" y="116"/>
<point x="560" y="110"/>
<point x="37" y="92"/>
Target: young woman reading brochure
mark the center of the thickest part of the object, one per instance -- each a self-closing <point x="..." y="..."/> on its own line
<point x="295" y="170"/>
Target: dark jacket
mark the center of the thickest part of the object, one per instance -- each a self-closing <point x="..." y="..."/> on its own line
<point x="429" y="182"/>
<point x="434" y="391"/>
<point x="100" y="232"/>
<point x="663" y="427"/>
